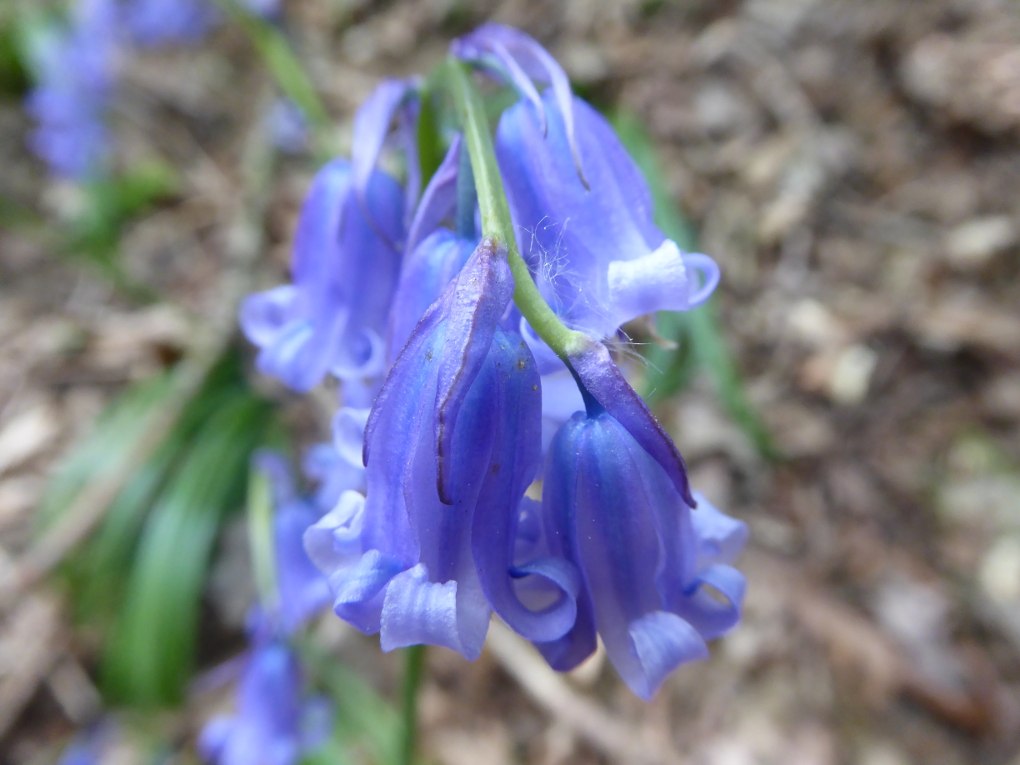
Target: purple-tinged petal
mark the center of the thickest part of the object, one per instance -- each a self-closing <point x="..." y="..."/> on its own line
<point x="360" y="590"/>
<point x="334" y="541"/>
<point x="372" y="126"/>
<point x="75" y="72"/>
<point x="462" y="402"/>
<point x="599" y="374"/>
<point x="334" y="316"/>
<point x="303" y="590"/>
<point x="427" y="271"/>
<point x="516" y="435"/>
<point x="333" y="474"/>
<point x="469" y="334"/>
<point x="708" y="614"/>
<point x="661" y="642"/>
<point x="596" y="253"/>
<point x="520" y="53"/>
<point x="439" y="199"/>
<point x="611" y="509"/>
<point x="154" y="23"/>
<point x="721" y="538"/>
<point x="417" y="610"/>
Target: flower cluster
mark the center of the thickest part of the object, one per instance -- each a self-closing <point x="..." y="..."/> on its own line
<point x="462" y="400"/>
<point x="76" y="66"/>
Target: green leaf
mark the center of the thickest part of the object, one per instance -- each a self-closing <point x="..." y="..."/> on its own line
<point x="150" y="655"/>
<point x="100" y="572"/>
<point x="430" y="140"/>
<point x="104" y="447"/>
<point x="698" y="334"/>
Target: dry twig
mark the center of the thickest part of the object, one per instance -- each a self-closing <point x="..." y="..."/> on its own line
<point x="573" y="710"/>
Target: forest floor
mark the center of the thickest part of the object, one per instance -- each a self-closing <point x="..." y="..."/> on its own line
<point x="853" y="165"/>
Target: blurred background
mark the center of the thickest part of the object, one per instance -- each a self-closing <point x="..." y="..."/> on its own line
<point x="852" y="393"/>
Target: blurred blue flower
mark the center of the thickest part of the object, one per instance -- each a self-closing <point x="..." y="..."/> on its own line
<point x="153" y="23"/>
<point x="345" y="268"/>
<point x="452" y="443"/>
<point x="301" y="589"/>
<point x="288" y="126"/>
<point x="274" y="722"/>
<point x="651" y="568"/>
<point x="595" y="251"/>
<point x="89" y="747"/>
<point x="75" y="71"/>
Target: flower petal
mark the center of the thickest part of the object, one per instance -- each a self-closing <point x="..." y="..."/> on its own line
<point x="607" y="385"/>
<point x="661" y="642"/>
<point x="417" y="610"/>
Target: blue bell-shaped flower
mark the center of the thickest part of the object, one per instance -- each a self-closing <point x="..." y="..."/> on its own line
<point x="345" y="268"/>
<point x="451" y="445"/>
<point x="274" y="722"/>
<point x="647" y="560"/>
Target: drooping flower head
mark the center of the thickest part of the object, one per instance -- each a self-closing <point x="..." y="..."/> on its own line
<point x="647" y="560"/>
<point x="451" y="446"/>
<point x="75" y="70"/>
<point x="274" y="722"/>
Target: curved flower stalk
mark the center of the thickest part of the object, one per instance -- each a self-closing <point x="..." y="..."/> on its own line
<point x="647" y="561"/>
<point x="275" y="723"/>
<point x="595" y="251"/>
<point x="75" y="69"/>
<point x="451" y="446"/>
<point x="333" y="317"/>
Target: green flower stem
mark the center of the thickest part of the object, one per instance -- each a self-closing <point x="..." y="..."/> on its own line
<point x="496" y="221"/>
<point x="415" y="660"/>
<point x="260" y="537"/>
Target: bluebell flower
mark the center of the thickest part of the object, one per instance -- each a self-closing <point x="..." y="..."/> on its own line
<point x="393" y="100"/>
<point x="345" y="268"/>
<point x="450" y="447"/>
<point x="275" y="722"/>
<point x="75" y="71"/>
<point x="651" y="567"/>
<point x="336" y="466"/>
<point x="595" y="251"/>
